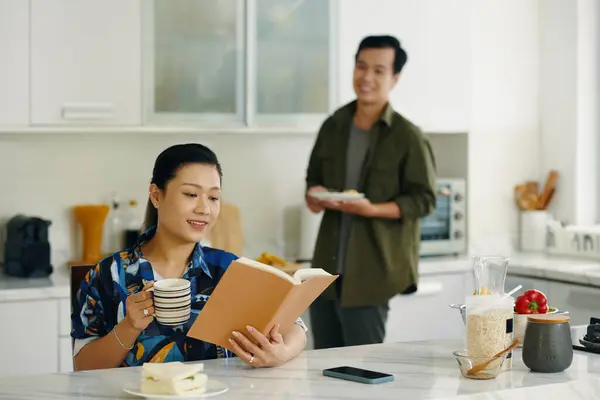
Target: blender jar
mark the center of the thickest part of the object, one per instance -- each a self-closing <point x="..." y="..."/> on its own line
<point x="489" y="273"/>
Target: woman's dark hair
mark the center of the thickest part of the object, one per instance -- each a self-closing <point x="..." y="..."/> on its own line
<point x="383" y="42"/>
<point x="169" y="162"/>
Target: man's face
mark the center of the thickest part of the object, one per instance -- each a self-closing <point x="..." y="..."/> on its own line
<point x="374" y="76"/>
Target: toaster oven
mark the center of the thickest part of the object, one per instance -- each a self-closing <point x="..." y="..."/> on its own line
<point x="444" y="231"/>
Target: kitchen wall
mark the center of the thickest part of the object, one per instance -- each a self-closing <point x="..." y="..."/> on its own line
<point x="504" y="135"/>
<point x="46" y="174"/>
<point x="263" y="175"/>
<point x="569" y="99"/>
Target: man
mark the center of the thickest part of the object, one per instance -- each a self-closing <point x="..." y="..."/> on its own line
<point x="373" y="243"/>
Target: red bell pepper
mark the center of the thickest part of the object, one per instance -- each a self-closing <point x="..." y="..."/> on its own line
<point x="531" y="302"/>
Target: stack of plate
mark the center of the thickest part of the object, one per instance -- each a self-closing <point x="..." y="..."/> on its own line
<point x="172" y="301"/>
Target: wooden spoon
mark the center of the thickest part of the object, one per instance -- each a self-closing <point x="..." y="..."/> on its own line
<point x="482" y="366"/>
<point x="528" y="201"/>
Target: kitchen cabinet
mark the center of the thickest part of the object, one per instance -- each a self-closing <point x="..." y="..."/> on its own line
<point x="85" y="62"/>
<point x="237" y="62"/>
<point x="14" y="67"/>
<point x="29" y="337"/>
<point x="582" y="302"/>
<point x="426" y="315"/>
<point x="291" y="67"/>
<point x="434" y="87"/>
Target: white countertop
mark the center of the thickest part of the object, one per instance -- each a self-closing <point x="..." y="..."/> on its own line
<point x="57" y="285"/>
<point x="422" y="370"/>
<point x="564" y="269"/>
<point x="534" y="265"/>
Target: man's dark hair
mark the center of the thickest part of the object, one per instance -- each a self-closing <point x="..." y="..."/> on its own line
<point x="384" y="42"/>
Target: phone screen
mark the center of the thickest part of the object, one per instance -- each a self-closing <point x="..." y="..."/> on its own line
<point x="362" y="373"/>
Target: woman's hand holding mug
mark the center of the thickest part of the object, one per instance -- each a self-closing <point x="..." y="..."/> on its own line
<point x="140" y="308"/>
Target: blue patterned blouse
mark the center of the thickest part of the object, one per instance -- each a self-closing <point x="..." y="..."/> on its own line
<point x="100" y="304"/>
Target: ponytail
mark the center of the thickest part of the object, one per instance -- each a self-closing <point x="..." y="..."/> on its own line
<point x="151" y="217"/>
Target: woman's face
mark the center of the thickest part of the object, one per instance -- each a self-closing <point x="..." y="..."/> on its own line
<point x="190" y="205"/>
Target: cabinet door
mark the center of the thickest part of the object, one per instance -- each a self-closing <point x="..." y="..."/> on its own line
<point x="426" y="315"/>
<point x="194" y="61"/>
<point x="29" y="338"/>
<point x="85" y="62"/>
<point x="582" y="302"/>
<point x="290" y="60"/>
<point x="14" y="67"/>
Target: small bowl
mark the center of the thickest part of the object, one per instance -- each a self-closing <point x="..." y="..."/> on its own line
<point x="465" y="363"/>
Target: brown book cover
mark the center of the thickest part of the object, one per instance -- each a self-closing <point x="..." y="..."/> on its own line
<point x="256" y="294"/>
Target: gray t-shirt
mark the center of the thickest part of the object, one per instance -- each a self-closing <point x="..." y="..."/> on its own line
<point x="358" y="145"/>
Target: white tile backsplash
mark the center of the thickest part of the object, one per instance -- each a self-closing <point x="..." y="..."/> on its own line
<point x="46" y="175"/>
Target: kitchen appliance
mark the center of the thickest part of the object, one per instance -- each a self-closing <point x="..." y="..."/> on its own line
<point x="444" y="231"/>
<point x="309" y="230"/>
<point x="91" y="221"/>
<point x="27" y="247"/>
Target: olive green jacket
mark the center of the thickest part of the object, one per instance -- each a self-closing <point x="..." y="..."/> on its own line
<point x="383" y="254"/>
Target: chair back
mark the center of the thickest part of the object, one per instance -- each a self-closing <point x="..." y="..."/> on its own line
<point x="77" y="274"/>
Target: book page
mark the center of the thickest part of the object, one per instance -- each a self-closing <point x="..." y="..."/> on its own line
<point x="267" y="268"/>
<point x="306" y="273"/>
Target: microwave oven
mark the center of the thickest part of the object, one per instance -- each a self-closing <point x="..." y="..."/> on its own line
<point x="444" y="231"/>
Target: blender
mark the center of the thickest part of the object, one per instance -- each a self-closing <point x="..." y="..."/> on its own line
<point x="489" y="273"/>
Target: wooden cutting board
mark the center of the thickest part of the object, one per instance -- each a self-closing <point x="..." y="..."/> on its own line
<point x="227" y="232"/>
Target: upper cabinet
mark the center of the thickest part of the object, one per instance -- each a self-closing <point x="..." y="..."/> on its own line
<point x="223" y="64"/>
<point x="14" y="67"/>
<point x="237" y="62"/>
<point x="85" y="62"/>
<point x="291" y="64"/>
<point x="434" y="89"/>
<point x="194" y="61"/>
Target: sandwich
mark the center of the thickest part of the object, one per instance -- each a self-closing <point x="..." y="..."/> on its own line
<point x="173" y="378"/>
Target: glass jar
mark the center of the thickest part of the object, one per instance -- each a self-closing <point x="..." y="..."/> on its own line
<point x="489" y="323"/>
<point x="547" y="345"/>
<point x="489" y="273"/>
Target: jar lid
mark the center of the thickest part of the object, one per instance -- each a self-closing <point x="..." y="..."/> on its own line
<point x="548" y="318"/>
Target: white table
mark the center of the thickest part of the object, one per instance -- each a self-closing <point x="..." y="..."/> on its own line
<point x="422" y="370"/>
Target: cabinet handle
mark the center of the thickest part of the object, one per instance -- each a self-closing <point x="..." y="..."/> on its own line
<point x="87" y="111"/>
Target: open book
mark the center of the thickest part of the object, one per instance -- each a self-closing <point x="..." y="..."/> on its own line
<point x="256" y="294"/>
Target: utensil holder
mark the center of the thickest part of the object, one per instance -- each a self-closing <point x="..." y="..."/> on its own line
<point x="532" y="232"/>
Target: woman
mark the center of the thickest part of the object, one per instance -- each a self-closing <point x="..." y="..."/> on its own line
<point x="112" y="320"/>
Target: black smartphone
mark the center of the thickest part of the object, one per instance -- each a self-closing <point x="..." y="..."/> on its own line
<point x="358" y="375"/>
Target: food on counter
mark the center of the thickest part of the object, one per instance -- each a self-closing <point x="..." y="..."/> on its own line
<point x="529" y="197"/>
<point x="351" y="191"/>
<point x="271" y="259"/>
<point x="486" y="332"/>
<point x="531" y="302"/>
<point x="173" y="378"/>
<point x="483" y="291"/>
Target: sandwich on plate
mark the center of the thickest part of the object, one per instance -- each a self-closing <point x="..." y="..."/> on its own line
<point x="173" y="378"/>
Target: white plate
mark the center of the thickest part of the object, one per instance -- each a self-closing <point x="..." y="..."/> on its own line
<point x="214" y="388"/>
<point x="337" y="196"/>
